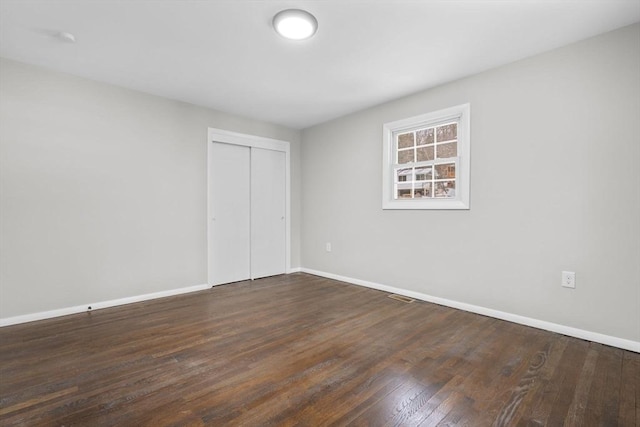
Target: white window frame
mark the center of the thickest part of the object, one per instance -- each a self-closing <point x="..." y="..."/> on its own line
<point x="461" y="115"/>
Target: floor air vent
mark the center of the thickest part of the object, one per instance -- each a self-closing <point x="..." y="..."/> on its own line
<point x="401" y="298"/>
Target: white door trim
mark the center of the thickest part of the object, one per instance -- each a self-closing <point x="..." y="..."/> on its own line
<point x="235" y="138"/>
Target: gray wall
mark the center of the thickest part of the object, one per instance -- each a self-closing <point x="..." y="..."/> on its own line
<point x="555" y="181"/>
<point x="103" y="190"/>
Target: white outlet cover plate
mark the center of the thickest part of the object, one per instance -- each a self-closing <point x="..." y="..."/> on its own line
<point x="568" y="279"/>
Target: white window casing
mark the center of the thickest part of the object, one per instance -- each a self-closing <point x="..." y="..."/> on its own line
<point x="418" y="193"/>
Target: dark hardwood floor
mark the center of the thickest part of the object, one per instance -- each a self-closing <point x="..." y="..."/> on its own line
<point x="304" y="350"/>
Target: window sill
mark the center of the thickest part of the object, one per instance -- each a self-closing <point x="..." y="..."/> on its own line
<point x="430" y="204"/>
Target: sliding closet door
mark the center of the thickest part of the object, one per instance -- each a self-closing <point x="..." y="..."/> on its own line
<point x="268" y="210"/>
<point x="229" y="209"/>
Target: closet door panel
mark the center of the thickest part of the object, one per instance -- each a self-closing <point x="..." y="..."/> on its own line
<point x="230" y="209"/>
<point x="268" y="209"/>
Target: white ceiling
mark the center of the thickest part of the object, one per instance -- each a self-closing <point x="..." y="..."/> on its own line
<point x="225" y="55"/>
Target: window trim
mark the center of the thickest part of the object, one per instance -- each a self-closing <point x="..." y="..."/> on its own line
<point x="461" y="114"/>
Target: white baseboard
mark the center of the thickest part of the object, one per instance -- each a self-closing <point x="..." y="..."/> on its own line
<point x="528" y="321"/>
<point x="97" y="305"/>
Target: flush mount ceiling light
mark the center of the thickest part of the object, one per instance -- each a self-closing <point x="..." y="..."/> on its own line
<point x="295" y="24"/>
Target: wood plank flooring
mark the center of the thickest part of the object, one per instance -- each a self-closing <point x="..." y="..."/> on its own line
<point x="308" y="351"/>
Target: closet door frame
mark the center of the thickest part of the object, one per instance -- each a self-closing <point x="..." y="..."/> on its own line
<point x="252" y="141"/>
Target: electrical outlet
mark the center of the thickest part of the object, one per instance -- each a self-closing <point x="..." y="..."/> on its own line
<point x="568" y="279"/>
<point x="328" y="247"/>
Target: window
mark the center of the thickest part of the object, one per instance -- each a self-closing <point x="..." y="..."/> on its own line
<point x="426" y="161"/>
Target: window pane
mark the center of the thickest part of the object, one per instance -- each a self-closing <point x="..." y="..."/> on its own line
<point x="425" y="189"/>
<point x="424" y="174"/>
<point x="446" y="189"/>
<point x="425" y="136"/>
<point x="447" y="132"/>
<point x="404" y="175"/>
<point x="425" y="153"/>
<point x="404" y="193"/>
<point x="447" y="170"/>
<point x="405" y="140"/>
<point x="449" y="149"/>
<point x="405" y="156"/>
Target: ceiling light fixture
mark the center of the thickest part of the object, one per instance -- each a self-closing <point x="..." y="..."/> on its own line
<point x="295" y="24"/>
